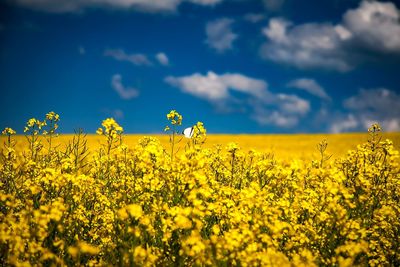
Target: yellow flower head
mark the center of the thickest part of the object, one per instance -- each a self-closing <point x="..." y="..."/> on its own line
<point x="52" y="116"/>
<point x="232" y="147"/>
<point x="33" y="125"/>
<point x="86" y="248"/>
<point x="134" y="210"/>
<point x="99" y="131"/>
<point x="374" y="128"/>
<point x="199" y="130"/>
<point x="174" y="117"/>
<point x="8" y="131"/>
<point x="110" y="128"/>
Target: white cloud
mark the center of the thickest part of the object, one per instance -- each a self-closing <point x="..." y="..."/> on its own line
<point x="343" y="33"/>
<point x="281" y="110"/>
<point x="70" y="6"/>
<point x="293" y="104"/>
<point x="373" y="25"/>
<point x="376" y="25"/>
<point x="254" y="17"/>
<point x="277" y="118"/>
<point x="369" y="106"/>
<point x="266" y="108"/>
<point x="273" y="5"/>
<point x="220" y="35"/>
<point x="276" y="31"/>
<point x="376" y="105"/>
<point x="162" y="59"/>
<point x="344" y="124"/>
<point x="123" y="92"/>
<point x="214" y="87"/>
<point x="390" y="125"/>
<point x="310" y="86"/>
<point x="206" y="2"/>
<point x="380" y="101"/>
<point x="121" y="55"/>
<point x="305" y="46"/>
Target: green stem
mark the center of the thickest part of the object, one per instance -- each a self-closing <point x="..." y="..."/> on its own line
<point x="173" y="142"/>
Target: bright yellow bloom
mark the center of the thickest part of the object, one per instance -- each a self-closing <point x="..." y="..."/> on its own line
<point x="134" y="210"/>
<point x="183" y="222"/>
<point x="88" y="249"/>
<point x="8" y="131"/>
<point x="80" y="203"/>
<point x="99" y="131"/>
<point x="174" y="117"/>
<point x="232" y="147"/>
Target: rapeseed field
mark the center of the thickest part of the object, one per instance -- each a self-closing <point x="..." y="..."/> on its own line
<point x="116" y="200"/>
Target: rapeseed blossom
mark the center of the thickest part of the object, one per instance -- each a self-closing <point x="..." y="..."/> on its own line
<point x="8" y="131"/>
<point x="147" y="205"/>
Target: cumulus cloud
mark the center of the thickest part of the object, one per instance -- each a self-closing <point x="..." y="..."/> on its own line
<point x="293" y="104"/>
<point x="220" y="35"/>
<point x="266" y="108"/>
<point x="150" y="6"/>
<point x="277" y="118"/>
<point x="254" y="17"/>
<point x="206" y="2"/>
<point x="137" y="59"/>
<point x="281" y="110"/>
<point x="121" y="55"/>
<point x="374" y="26"/>
<point x="376" y="105"/>
<point x="273" y="5"/>
<point x="124" y="92"/>
<point x="305" y="46"/>
<point x="162" y="59"/>
<point x="310" y="86"/>
<point x="214" y="87"/>
<point x="379" y="105"/>
<point x="344" y="124"/>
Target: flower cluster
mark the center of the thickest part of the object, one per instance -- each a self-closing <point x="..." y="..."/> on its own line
<point x="110" y="128"/>
<point x="33" y="126"/>
<point x="8" y="131"/>
<point x="52" y="120"/>
<point x="174" y="117"/>
<point x="120" y="205"/>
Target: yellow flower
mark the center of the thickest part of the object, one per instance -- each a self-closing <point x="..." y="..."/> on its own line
<point x="88" y="249"/>
<point x="374" y="128"/>
<point x="8" y="131"/>
<point x="232" y="147"/>
<point x="182" y="222"/>
<point x="174" y="117"/>
<point x="134" y="210"/>
<point x="99" y="131"/>
<point x="73" y="251"/>
<point x="139" y="253"/>
<point x="52" y="116"/>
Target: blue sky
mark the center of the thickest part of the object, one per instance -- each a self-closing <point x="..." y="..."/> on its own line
<point x="239" y="66"/>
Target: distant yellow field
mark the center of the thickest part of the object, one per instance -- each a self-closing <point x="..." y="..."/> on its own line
<point x="283" y="146"/>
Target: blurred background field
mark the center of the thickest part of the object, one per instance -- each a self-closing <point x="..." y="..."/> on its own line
<point x="285" y="146"/>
